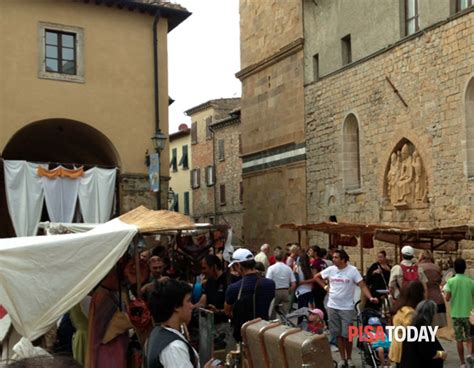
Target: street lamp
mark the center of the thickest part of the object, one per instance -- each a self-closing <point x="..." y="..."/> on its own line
<point x="159" y="141"/>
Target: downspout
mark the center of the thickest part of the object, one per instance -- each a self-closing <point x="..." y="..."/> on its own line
<point x="215" y="171"/>
<point x="157" y="97"/>
<point x="155" y="68"/>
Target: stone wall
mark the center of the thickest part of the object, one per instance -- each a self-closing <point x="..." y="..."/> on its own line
<point x="430" y="72"/>
<point x="134" y="192"/>
<point x="229" y="173"/>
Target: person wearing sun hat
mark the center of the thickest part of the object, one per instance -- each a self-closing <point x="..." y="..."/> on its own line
<point x="316" y="323"/>
<point x="251" y="296"/>
<point x="400" y="274"/>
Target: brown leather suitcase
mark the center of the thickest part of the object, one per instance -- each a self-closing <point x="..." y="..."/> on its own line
<point x="274" y="344"/>
<point x="253" y="339"/>
<point x="309" y="349"/>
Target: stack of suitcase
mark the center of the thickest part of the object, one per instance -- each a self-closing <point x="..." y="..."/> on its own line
<point x="270" y="344"/>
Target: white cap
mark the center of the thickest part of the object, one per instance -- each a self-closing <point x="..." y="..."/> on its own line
<point x="407" y="250"/>
<point x="241" y="255"/>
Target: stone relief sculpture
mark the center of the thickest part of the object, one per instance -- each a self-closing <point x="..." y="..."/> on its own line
<point x="406" y="181"/>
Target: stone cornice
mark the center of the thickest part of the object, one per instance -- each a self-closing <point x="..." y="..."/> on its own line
<point x="283" y="53"/>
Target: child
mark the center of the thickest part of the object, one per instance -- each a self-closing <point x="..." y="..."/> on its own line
<point x="316" y="323"/>
<point x="381" y="347"/>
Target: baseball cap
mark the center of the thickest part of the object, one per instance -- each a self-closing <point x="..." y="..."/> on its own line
<point x="241" y="255"/>
<point x="407" y="250"/>
<point x="317" y="311"/>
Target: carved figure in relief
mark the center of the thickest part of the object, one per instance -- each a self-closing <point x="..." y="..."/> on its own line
<point x="406" y="176"/>
<point x="419" y="183"/>
<point x="392" y="178"/>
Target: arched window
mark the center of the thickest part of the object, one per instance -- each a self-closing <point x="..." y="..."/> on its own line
<point x="351" y="153"/>
<point x="470" y="128"/>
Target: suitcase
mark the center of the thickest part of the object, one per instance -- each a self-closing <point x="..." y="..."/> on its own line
<point x="253" y="340"/>
<point x="308" y="349"/>
<point x="274" y="344"/>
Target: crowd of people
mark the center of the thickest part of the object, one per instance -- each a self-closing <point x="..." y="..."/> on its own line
<point x="270" y="285"/>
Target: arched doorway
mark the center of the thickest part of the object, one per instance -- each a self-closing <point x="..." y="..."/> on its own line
<point x="55" y="141"/>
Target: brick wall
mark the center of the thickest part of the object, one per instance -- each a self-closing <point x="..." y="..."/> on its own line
<point x="431" y="72"/>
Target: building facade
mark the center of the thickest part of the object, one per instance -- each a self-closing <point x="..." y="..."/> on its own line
<point x="272" y="119"/>
<point x="389" y="131"/>
<point x="79" y="88"/>
<point x="180" y="195"/>
<point x="203" y="168"/>
<point x="228" y="162"/>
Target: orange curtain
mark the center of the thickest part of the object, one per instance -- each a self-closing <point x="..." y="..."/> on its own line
<point x="61" y="172"/>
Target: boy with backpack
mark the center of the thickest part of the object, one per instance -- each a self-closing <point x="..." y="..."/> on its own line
<point x="405" y="272"/>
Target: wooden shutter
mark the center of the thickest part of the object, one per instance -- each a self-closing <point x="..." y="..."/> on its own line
<point x="194" y="138"/>
<point x="222" y="194"/>
<point x="208" y="125"/>
<point x="221" y="150"/>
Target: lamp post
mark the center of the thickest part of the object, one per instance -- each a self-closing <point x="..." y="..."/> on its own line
<point x="159" y="141"/>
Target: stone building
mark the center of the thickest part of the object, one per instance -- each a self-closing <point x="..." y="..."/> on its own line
<point x="228" y="163"/>
<point x="203" y="173"/>
<point x="78" y="87"/>
<point x="272" y="119"/>
<point x="390" y="129"/>
<point x="180" y="195"/>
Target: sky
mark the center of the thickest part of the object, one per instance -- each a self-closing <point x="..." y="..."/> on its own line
<point x="203" y="56"/>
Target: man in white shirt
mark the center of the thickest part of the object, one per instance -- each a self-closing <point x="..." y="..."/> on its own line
<point x="285" y="282"/>
<point x="262" y="257"/>
<point x="343" y="279"/>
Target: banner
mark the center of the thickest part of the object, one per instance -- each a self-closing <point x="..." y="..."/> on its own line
<point x="154" y="172"/>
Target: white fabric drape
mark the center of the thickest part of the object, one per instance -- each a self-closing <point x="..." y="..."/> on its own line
<point x="24" y="193"/>
<point x="60" y="195"/>
<point x="96" y="194"/>
<point x="42" y="277"/>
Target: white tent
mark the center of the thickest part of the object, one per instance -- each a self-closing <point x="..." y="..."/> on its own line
<point x="42" y="277"/>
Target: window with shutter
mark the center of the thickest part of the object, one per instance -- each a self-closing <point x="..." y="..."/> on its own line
<point x="186" y="203"/>
<point x="221" y="154"/>
<point x="208" y="127"/>
<point x="194" y="137"/>
<point x="195" y="178"/>
<point x="184" y="157"/>
<point x="174" y="160"/>
<point x="222" y="194"/>
<point x="241" y="194"/>
<point x="210" y="176"/>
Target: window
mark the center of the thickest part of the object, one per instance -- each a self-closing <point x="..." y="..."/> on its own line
<point x="351" y="154"/>
<point x="241" y="194"/>
<point x="222" y="194"/>
<point x="220" y="150"/>
<point x="61" y="52"/>
<point x="208" y="127"/>
<point x="174" y="160"/>
<point x="175" y="203"/>
<point x="186" y="203"/>
<point x="346" y="50"/>
<point x="316" y="67"/>
<point x="411" y="16"/>
<point x="195" y="178"/>
<point x="184" y="158"/>
<point x="469" y="112"/>
<point x="194" y="137"/>
<point x="464" y="4"/>
<point x="210" y="176"/>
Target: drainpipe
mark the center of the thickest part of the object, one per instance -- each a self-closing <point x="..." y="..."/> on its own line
<point x="156" y="97"/>
<point x="215" y="171"/>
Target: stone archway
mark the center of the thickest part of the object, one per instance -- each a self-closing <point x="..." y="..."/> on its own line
<point x="55" y="141"/>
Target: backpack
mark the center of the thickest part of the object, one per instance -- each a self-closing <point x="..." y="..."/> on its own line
<point x="410" y="273"/>
<point x="243" y="310"/>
